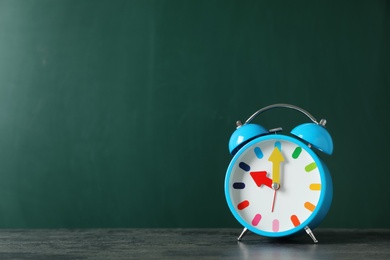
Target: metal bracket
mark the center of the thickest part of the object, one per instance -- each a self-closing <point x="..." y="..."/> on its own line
<point x="244" y="231"/>
<point x="310" y="233"/>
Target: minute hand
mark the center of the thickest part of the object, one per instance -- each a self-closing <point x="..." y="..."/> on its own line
<point x="276" y="158"/>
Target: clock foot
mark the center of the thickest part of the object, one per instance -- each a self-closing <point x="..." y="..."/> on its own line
<point x="244" y="231"/>
<point x="310" y="233"/>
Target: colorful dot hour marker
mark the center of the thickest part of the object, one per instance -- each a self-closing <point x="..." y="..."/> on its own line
<point x="309" y="206"/>
<point x="315" y="186"/>
<point x="275" y="225"/>
<point x="243" y="205"/>
<point x="310" y="167"/>
<point x="296" y="152"/>
<point x="244" y="166"/>
<point x="258" y="152"/>
<point x="295" y="220"/>
<point x="256" y="219"/>
<point x="238" y="185"/>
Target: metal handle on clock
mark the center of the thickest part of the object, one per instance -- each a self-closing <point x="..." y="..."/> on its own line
<point x="312" y="118"/>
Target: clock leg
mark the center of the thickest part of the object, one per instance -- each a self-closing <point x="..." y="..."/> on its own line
<point x="244" y="231"/>
<point x="310" y="233"/>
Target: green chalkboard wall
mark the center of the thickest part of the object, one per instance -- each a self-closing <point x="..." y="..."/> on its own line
<point x="118" y="113"/>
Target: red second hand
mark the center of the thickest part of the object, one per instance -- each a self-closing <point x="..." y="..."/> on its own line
<point x="273" y="202"/>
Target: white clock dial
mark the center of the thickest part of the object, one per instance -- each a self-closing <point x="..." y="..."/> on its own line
<point x="274" y="185"/>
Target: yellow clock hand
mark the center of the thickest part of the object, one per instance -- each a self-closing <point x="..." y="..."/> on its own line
<point x="276" y="158"/>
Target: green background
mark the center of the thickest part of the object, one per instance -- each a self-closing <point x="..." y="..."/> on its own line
<point x="118" y="113"/>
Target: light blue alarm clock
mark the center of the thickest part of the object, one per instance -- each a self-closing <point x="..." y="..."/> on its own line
<point x="276" y="185"/>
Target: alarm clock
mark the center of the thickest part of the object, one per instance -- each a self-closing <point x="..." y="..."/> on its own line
<point x="276" y="185"/>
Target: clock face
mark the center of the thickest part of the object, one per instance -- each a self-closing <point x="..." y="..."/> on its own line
<point x="273" y="185"/>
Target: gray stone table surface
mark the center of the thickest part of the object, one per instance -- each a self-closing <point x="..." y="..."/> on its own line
<point x="189" y="244"/>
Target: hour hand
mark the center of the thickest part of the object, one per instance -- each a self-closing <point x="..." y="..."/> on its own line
<point x="261" y="178"/>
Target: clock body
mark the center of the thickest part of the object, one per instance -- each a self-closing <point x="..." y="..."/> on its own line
<point x="302" y="198"/>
